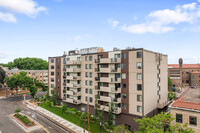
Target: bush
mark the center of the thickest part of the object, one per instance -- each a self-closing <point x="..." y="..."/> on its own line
<point x="24" y="119"/>
<point x="17" y="110"/>
<point x="78" y="113"/>
<point x="48" y="103"/>
<point x="63" y="108"/>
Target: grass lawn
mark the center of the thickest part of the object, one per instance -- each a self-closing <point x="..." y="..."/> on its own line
<point x="73" y="118"/>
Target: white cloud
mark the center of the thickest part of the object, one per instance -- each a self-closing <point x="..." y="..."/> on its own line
<point x="27" y="7"/>
<point x="114" y="23"/>
<point x="80" y="37"/>
<point x="144" y="28"/>
<point x="159" y="21"/>
<point x="198" y="0"/>
<point x="7" y="17"/>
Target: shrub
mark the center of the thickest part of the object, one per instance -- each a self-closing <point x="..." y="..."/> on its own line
<point x="17" y="110"/>
<point x="63" y="108"/>
<point x="48" y="103"/>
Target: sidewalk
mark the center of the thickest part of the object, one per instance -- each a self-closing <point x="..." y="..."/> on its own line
<point x="62" y="122"/>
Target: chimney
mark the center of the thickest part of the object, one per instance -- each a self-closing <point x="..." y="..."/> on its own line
<point x="180" y="62"/>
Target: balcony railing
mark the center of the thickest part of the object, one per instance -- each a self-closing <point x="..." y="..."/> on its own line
<point x="73" y="62"/>
<point x="110" y="60"/>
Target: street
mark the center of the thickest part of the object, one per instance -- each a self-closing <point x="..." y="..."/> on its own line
<point x="8" y="106"/>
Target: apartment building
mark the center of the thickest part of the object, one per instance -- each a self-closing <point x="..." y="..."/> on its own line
<point x="184" y="75"/>
<point x="186" y="109"/>
<point x="40" y="75"/>
<point x="135" y="80"/>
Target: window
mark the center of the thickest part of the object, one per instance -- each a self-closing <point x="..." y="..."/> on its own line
<point x="57" y="73"/>
<point x="86" y="99"/>
<point x="68" y="59"/>
<point x="78" y="66"/>
<point x="117" y="55"/>
<point x="139" y="98"/>
<point x="193" y="120"/>
<point x="123" y="55"/>
<point x="58" y="80"/>
<point x="78" y="58"/>
<point x="179" y="118"/>
<point x="86" y="91"/>
<point x="90" y="66"/>
<point x="90" y="58"/>
<point x="139" y="76"/>
<point x="123" y="75"/>
<point x="86" y="82"/>
<point x="91" y="99"/>
<point x="58" y="67"/>
<point x="86" y="74"/>
<point x="52" y="85"/>
<point x="52" y="73"/>
<point x="139" y="109"/>
<point x="139" y="65"/>
<point x="123" y="65"/>
<point x="86" y="58"/>
<point x="86" y="66"/>
<point x="123" y="96"/>
<point x="90" y="83"/>
<point x="90" y="74"/>
<point x="52" y="60"/>
<point x="58" y="60"/>
<point x="139" y="54"/>
<point x="124" y="85"/>
<point x="52" y="79"/>
<point x="139" y="87"/>
<point x="123" y="106"/>
<point x="52" y="67"/>
<point x="90" y="91"/>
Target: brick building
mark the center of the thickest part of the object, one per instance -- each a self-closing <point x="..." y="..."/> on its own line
<point x="135" y="80"/>
<point x="184" y="75"/>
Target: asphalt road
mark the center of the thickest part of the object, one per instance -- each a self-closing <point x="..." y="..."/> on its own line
<point x="8" y="106"/>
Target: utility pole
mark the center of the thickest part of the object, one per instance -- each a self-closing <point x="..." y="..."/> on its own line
<point x="88" y="110"/>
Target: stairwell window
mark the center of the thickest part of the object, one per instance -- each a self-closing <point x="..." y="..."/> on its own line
<point x="139" y="65"/>
<point x="179" y="118"/>
<point x="123" y="75"/>
<point x="139" y="54"/>
<point x="139" y="108"/>
<point x="139" y="76"/>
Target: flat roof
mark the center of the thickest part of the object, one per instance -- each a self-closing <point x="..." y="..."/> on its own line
<point x="190" y="100"/>
<point x="25" y="70"/>
<point x="184" y="66"/>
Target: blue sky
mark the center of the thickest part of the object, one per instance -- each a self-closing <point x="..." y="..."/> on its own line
<point x="43" y="28"/>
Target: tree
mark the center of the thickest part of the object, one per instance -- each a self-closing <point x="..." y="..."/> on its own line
<point x="160" y="123"/>
<point x="171" y="95"/>
<point x="2" y="75"/>
<point x="96" y="114"/>
<point x="63" y="108"/>
<point x="169" y="83"/>
<point x="54" y="97"/>
<point x="121" y="129"/>
<point x="28" y="64"/>
<point x="110" y="115"/>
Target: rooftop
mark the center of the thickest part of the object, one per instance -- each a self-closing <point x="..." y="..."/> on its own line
<point x="184" y="66"/>
<point x="190" y="99"/>
<point x="196" y="72"/>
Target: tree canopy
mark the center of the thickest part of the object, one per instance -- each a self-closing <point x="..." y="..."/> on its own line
<point x="161" y="123"/>
<point x="2" y="75"/>
<point x="28" y="64"/>
<point x="23" y="81"/>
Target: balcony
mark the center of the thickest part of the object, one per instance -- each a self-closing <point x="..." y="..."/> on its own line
<point x="105" y="98"/>
<point x="72" y="100"/>
<point x="117" y="110"/>
<point x="73" y="62"/>
<point x="106" y="108"/>
<point x="73" y="70"/>
<point x="73" y="93"/>
<point x="109" y="70"/>
<point x="109" y="60"/>
<point x="73" y="85"/>
<point x="117" y="100"/>
<point x="110" y="80"/>
<point x="73" y="77"/>
<point x="110" y="89"/>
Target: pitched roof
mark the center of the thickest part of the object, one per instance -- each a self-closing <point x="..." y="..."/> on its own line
<point x="188" y="105"/>
<point x="184" y="65"/>
<point x="195" y="72"/>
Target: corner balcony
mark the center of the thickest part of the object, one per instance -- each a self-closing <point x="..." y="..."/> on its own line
<point x="73" y="101"/>
<point x="117" y="110"/>
<point x="117" y="100"/>
<point x="109" y="60"/>
<point x="73" y="70"/>
<point x="73" y="77"/>
<point x="73" y="62"/>
<point x="109" y="70"/>
<point x="73" y="85"/>
<point x="110" y="89"/>
<point x="105" y="98"/>
<point x="73" y="93"/>
<point x="110" y="80"/>
<point x="106" y="108"/>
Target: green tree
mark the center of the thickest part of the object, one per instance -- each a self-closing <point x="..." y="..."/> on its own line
<point x="121" y="129"/>
<point x="178" y="128"/>
<point x="2" y="75"/>
<point x="64" y="108"/>
<point x="111" y="115"/>
<point x="171" y="95"/>
<point x="169" y="83"/>
<point x="96" y="114"/>
<point x="54" y="97"/>
<point x="160" y="123"/>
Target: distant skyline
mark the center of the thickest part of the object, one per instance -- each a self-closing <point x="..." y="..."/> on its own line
<point x="33" y="28"/>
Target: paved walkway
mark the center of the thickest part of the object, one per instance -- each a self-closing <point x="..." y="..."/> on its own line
<point x="64" y="123"/>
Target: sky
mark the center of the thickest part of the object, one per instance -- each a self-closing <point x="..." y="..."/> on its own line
<point x="47" y="28"/>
